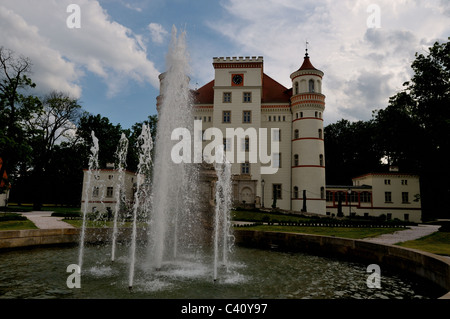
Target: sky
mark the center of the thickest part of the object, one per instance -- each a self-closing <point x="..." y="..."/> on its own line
<point x="111" y="59"/>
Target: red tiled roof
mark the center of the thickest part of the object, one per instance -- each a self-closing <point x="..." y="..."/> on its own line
<point x="307" y="65"/>
<point x="272" y="92"/>
<point x="205" y="94"/>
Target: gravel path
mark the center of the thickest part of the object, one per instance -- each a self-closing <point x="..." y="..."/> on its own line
<point x="414" y="232"/>
<point x="44" y="220"/>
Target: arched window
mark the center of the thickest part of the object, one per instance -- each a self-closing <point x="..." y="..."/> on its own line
<point x="321" y="159"/>
<point x="311" y="85"/>
<point x="296" y="87"/>
<point x="296" y="160"/>
<point x="320" y="133"/>
<point x="322" y="192"/>
<point x="295" y="192"/>
<point x="296" y="134"/>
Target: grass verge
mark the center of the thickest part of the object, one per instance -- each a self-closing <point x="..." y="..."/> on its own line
<point x="436" y="243"/>
<point x="345" y="232"/>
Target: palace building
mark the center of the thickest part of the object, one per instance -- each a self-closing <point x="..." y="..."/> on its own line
<point x="241" y="95"/>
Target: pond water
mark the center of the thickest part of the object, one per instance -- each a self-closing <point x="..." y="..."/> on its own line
<point x="252" y="273"/>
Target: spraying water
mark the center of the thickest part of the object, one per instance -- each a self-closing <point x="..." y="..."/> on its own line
<point x="174" y="190"/>
<point x="141" y="196"/>
<point x="93" y="169"/>
<point x="121" y="155"/>
<point x="222" y="222"/>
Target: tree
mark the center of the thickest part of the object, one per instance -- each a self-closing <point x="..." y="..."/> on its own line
<point x="15" y="109"/>
<point x="107" y="133"/>
<point x="350" y="150"/>
<point x="50" y="126"/>
<point x="414" y="129"/>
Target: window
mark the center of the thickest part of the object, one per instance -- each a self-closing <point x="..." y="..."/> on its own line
<point x="247" y="116"/>
<point x="329" y="197"/>
<point x="270" y="118"/>
<point x="276" y="135"/>
<point x="284" y="118"/>
<point x="406" y="217"/>
<point x="301" y="114"/>
<point x="296" y="115"/>
<point x="95" y="191"/>
<point x="110" y="177"/>
<point x="388" y="197"/>
<point x="320" y="133"/>
<point x="209" y="118"/>
<point x="227" y="144"/>
<point x="322" y="192"/>
<point x="245" y="168"/>
<point x="389" y="216"/>
<point x="276" y="191"/>
<point x="296" y="134"/>
<point x="387" y="182"/>
<point x="295" y="192"/>
<point x="109" y="192"/>
<point x="226" y="116"/>
<point x="279" y="118"/>
<point x="246" y="144"/>
<point x="296" y="160"/>
<point x="405" y="197"/>
<point x="321" y="160"/>
<point x="315" y="114"/>
<point x="404" y="182"/>
<point x="296" y="87"/>
<point x="311" y="85"/>
<point x="276" y="161"/>
<point x="227" y="97"/>
<point x="365" y="197"/>
<point x="247" y="97"/>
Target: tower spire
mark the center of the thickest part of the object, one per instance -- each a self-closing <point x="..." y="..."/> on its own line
<point x="306" y="46"/>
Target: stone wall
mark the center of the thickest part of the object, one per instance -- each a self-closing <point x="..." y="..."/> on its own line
<point x="429" y="266"/>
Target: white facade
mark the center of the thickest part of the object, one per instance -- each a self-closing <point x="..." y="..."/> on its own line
<point x="243" y="96"/>
<point x="395" y="195"/>
<point x="102" y="190"/>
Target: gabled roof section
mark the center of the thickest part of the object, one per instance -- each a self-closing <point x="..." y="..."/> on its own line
<point x="274" y="92"/>
<point x="205" y="94"/>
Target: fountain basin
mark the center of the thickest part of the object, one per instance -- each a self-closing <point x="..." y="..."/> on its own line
<point x="431" y="267"/>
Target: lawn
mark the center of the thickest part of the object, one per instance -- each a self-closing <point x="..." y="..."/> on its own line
<point x="17" y="225"/>
<point x="436" y="243"/>
<point x="345" y="232"/>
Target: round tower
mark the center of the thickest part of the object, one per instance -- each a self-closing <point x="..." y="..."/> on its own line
<point x="308" y="156"/>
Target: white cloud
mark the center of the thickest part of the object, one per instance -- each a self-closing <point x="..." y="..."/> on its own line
<point x="157" y="32"/>
<point x="62" y="55"/>
<point x="363" y="67"/>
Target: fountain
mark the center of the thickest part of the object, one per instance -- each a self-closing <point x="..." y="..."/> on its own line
<point x="222" y="222"/>
<point x="166" y="202"/>
<point x="142" y="197"/>
<point x="93" y="168"/>
<point x="121" y="155"/>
